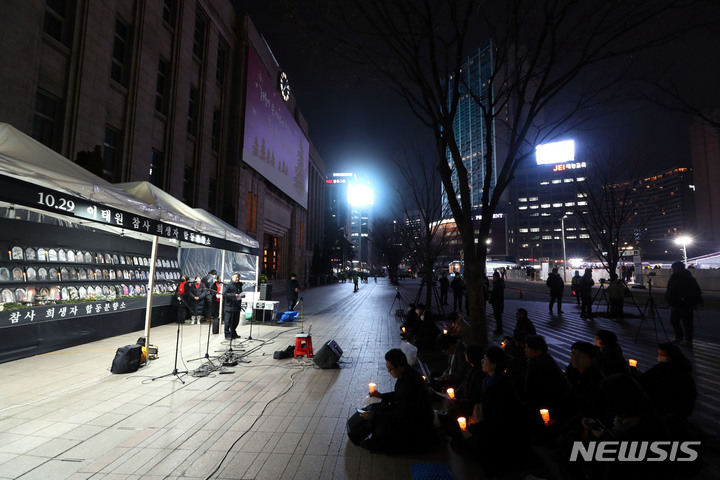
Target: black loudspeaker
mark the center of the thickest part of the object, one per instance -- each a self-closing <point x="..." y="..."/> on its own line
<point x="127" y="359"/>
<point x="265" y="291"/>
<point x="328" y="355"/>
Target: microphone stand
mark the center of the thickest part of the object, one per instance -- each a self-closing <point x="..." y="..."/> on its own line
<point x="177" y="347"/>
<point x="207" y="348"/>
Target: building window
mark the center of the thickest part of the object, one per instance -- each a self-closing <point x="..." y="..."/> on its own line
<point x="157" y="168"/>
<point x="56" y="20"/>
<point x="199" y="35"/>
<point x="118" y="71"/>
<point x="271" y="247"/>
<point x="45" y="121"/>
<point x="215" y="143"/>
<point x="220" y="67"/>
<point x="112" y="154"/>
<point x="192" y="111"/>
<point x="189" y="185"/>
<point x="162" y="87"/>
<point x="169" y="12"/>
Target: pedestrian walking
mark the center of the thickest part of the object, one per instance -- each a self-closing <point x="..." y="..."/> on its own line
<point x="683" y="294"/>
<point x="556" y="285"/>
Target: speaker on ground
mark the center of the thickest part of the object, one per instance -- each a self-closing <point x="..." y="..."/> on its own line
<point x="328" y="355"/>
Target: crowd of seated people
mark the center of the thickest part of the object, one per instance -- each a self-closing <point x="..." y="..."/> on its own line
<point x="507" y="393"/>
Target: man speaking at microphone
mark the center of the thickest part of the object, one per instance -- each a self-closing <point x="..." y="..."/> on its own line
<point x="233" y="306"/>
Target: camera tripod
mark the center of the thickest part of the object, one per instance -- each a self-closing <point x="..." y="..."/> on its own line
<point x="398" y="298"/>
<point x="601" y="293"/>
<point x="654" y="314"/>
<point x="433" y="286"/>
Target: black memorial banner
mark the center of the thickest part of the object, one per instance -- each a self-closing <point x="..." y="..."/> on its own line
<point x="30" y="195"/>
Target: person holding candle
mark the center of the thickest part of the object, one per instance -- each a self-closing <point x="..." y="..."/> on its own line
<point x="457" y="365"/>
<point x="403" y="420"/>
<point x="458" y="326"/>
<point x="545" y="385"/>
<point x="610" y="358"/>
<point x="492" y="437"/>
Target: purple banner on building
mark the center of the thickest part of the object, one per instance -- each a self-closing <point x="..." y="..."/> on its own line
<point x="274" y="145"/>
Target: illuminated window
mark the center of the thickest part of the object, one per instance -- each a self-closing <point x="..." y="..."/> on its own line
<point x="580" y="179"/>
<point x="545" y="205"/>
<point x="569" y="204"/>
<point x="524" y="207"/>
<point x="533" y="207"/>
<point x="584" y="235"/>
<point x="556" y="205"/>
<point x="533" y="199"/>
<point x="557" y="181"/>
<point x="547" y="237"/>
<point x="568" y="180"/>
<point x="522" y="199"/>
<point x="523" y="230"/>
<point x="535" y="229"/>
<point x="582" y="203"/>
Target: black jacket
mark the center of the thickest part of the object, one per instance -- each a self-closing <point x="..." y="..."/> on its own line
<point x="232" y="304"/>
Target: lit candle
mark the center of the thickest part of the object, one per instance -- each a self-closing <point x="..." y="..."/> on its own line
<point x="451" y="393"/>
<point x="444" y="331"/>
<point x="462" y="422"/>
<point x="633" y="363"/>
<point x="424" y="377"/>
<point x="545" y="415"/>
<point x="403" y="329"/>
<point x="502" y="345"/>
<point x="372" y="387"/>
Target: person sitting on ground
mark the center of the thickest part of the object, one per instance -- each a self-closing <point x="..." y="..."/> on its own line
<point x="669" y="384"/>
<point x="412" y="321"/>
<point x="403" y="420"/>
<point x="469" y="391"/>
<point x="584" y="376"/>
<point x="427" y="334"/>
<point x="545" y="384"/>
<point x="514" y="348"/>
<point x="490" y="433"/>
<point x="457" y="366"/>
<point x="523" y="323"/>
<point x="611" y="359"/>
<point x="459" y="326"/>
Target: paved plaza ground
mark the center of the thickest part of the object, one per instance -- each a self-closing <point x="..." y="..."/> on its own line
<point x="64" y="415"/>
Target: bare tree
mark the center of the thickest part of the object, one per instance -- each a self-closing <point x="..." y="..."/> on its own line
<point x="617" y="208"/>
<point x="421" y="212"/>
<point x="389" y="242"/>
<point x="550" y="66"/>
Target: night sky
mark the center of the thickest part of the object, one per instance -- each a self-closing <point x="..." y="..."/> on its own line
<point x="358" y="125"/>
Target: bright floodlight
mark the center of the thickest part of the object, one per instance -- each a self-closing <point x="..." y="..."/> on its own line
<point x="557" y="152"/>
<point x="684" y="240"/>
<point x="359" y="195"/>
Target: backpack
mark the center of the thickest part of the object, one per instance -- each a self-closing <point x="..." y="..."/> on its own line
<point x="127" y="359"/>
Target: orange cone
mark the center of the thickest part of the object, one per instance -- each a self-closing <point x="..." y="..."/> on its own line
<point x="521" y="295"/>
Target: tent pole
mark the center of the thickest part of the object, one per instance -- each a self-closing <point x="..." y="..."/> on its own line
<point x="222" y="287"/>
<point x="150" y="291"/>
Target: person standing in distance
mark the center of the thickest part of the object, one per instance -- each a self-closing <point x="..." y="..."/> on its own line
<point x="233" y="296"/>
<point x="293" y="290"/>
<point x="556" y="285"/>
<point x="683" y="294"/>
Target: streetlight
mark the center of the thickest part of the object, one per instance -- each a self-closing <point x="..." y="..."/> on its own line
<point x="562" y="232"/>
<point x="683" y="241"/>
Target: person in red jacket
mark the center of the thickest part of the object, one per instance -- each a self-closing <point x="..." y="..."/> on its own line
<point x="182" y="306"/>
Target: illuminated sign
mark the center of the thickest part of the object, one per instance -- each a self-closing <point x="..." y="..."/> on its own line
<point x="335" y="180"/>
<point x="568" y="166"/>
<point x="335" y="174"/>
<point x="557" y="152"/>
<point x="495" y="216"/>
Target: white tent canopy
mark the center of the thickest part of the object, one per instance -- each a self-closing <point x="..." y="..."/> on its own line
<point x="35" y="177"/>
